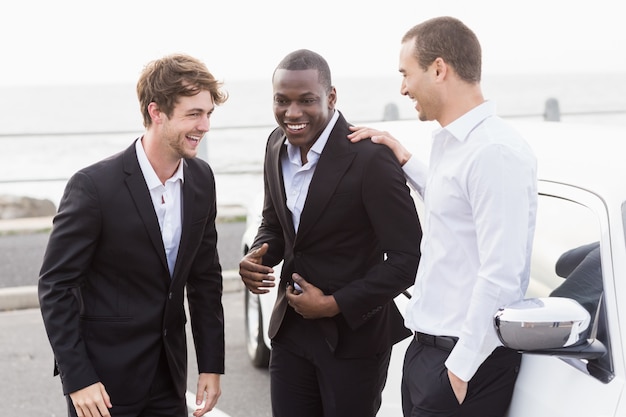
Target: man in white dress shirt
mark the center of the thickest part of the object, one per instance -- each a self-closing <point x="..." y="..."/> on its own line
<point x="480" y="197"/>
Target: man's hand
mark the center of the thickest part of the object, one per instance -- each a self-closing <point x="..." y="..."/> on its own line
<point x="92" y="401"/>
<point x="208" y="390"/>
<point x="458" y="386"/>
<point x="255" y="276"/>
<point x="310" y="302"/>
<point x="384" y="138"/>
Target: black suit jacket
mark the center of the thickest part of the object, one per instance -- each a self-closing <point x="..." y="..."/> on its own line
<point x="108" y="302"/>
<point x="357" y="212"/>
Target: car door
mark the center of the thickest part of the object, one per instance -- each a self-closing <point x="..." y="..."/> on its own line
<point x="570" y="218"/>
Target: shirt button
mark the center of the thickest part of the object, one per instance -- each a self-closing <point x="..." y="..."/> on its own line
<point x="164" y="332"/>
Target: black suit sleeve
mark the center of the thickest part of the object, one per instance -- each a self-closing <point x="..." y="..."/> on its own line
<point x="392" y="214"/>
<point x="70" y="249"/>
<point x="204" y="293"/>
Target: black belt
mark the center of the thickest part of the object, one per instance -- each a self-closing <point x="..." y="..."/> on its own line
<point x="441" y="342"/>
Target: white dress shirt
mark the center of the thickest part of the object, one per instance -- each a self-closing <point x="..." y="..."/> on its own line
<point x="166" y="199"/>
<point x="480" y="197"/>
<point x="297" y="177"/>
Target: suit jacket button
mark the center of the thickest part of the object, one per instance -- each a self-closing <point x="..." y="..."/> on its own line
<point x="164" y="332"/>
<point x="169" y="295"/>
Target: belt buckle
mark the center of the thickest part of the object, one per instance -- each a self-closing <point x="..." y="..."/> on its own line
<point x="446" y="343"/>
<point x="425" y="339"/>
<point x="440" y="342"/>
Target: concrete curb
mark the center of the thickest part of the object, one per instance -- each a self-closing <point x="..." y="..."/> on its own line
<point x="18" y="298"/>
<point x="25" y="225"/>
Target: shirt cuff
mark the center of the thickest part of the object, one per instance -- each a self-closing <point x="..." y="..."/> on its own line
<point x="415" y="172"/>
<point x="464" y="362"/>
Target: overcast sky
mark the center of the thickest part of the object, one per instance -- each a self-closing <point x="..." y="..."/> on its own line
<point x="81" y="41"/>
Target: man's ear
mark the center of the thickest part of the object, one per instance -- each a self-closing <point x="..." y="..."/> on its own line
<point x="155" y="114"/>
<point x="441" y="68"/>
<point x="332" y="97"/>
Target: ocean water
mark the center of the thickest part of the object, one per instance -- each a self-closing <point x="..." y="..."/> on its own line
<point x="49" y="132"/>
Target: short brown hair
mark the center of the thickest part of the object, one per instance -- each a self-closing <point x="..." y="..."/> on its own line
<point x="163" y="80"/>
<point x="447" y="38"/>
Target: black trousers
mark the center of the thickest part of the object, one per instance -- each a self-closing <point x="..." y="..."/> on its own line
<point x="307" y="380"/>
<point x="162" y="400"/>
<point x="426" y="389"/>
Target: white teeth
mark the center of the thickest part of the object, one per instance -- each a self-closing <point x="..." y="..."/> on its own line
<point x="297" y="127"/>
<point x="194" y="138"/>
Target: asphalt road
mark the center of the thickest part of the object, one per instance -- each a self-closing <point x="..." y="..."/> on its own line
<point x="20" y="258"/>
<point x="27" y="387"/>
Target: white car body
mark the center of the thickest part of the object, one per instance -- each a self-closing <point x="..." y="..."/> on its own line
<point x="582" y="198"/>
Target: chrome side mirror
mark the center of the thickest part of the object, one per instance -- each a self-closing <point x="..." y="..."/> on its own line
<point x="536" y="324"/>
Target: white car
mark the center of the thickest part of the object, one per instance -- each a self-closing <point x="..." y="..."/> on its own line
<point x="573" y="362"/>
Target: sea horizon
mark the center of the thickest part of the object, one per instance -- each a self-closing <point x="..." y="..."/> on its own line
<point x="93" y="108"/>
<point x="50" y="132"/>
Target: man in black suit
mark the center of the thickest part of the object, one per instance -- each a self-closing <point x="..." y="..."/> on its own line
<point x="342" y="219"/>
<point x="132" y="232"/>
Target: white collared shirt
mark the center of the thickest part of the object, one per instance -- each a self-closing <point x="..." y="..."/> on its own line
<point x="166" y="199"/>
<point x="480" y="196"/>
<point x="297" y="177"/>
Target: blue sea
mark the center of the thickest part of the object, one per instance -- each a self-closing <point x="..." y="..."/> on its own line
<point x="49" y="132"/>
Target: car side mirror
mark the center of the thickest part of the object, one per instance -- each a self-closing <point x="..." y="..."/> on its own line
<point x="551" y="326"/>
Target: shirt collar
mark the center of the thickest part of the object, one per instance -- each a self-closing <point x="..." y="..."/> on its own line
<point x="463" y="126"/>
<point x="152" y="180"/>
<point x="178" y="175"/>
<point x="318" y="146"/>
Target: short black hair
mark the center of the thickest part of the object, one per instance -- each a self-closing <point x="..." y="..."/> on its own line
<point x="304" y="59"/>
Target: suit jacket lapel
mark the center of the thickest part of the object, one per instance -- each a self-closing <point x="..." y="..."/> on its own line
<point x="275" y="171"/>
<point x="332" y="165"/>
<point x="140" y="194"/>
<point x="188" y="198"/>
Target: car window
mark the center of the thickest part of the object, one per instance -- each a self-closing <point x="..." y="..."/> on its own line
<point x="562" y="226"/>
<point x="624" y="217"/>
<point x="566" y="262"/>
